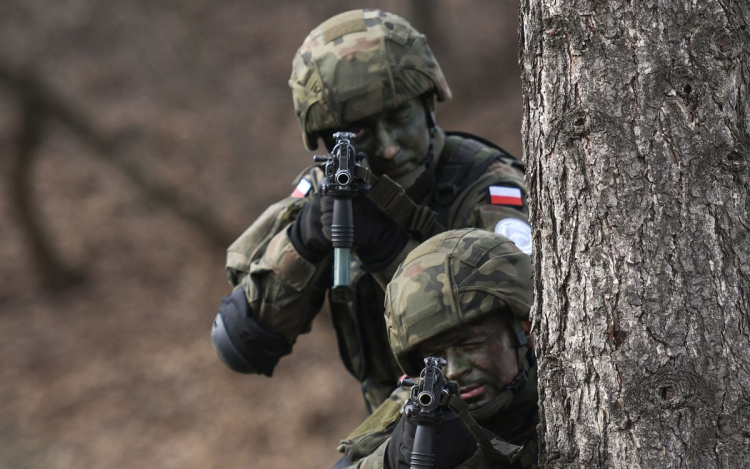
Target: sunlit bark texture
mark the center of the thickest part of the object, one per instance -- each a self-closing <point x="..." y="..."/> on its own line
<point x="636" y="139"/>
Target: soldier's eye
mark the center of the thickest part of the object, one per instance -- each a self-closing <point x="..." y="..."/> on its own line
<point x="399" y="116"/>
<point x="473" y="345"/>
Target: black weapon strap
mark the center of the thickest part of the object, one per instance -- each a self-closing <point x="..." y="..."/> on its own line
<point x="491" y="445"/>
<point x="393" y="200"/>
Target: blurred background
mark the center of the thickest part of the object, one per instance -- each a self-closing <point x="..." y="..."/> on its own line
<point x="138" y="139"/>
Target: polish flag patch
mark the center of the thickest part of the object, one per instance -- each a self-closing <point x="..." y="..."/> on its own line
<point x="506" y="195"/>
<point x="302" y="189"/>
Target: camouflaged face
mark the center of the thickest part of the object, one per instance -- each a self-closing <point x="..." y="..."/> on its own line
<point x="357" y="64"/>
<point x="453" y="279"/>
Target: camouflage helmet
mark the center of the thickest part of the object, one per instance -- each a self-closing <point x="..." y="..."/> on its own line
<point x="450" y="280"/>
<point x="357" y="64"/>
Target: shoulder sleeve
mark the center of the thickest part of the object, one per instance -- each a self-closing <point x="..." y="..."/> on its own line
<point x="284" y="290"/>
<point x="496" y="201"/>
<point x="374" y="460"/>
<point x="366" y="441"/>
<point x="253" y="242"/>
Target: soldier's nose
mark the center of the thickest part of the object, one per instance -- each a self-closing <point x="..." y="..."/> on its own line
<point x="387" y="146"/>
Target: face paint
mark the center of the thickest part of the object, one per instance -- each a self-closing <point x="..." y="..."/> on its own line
<point x="396" y="142"/>
<point x="482" y="359"/>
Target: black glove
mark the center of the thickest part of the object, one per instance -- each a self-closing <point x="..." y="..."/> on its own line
<point x="306" y="233"/>
<point x="378" y="239"/>
<point x="453" y="443"/>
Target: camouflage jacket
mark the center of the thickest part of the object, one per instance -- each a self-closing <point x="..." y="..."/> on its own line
<point x="366" y="447"/>
<point x="285" y="291"/>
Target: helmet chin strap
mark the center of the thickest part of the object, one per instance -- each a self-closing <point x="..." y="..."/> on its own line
<point x="497" y="404"/>
<point x="505" y="398"/>
<point x="526" y="360"/>
<point x="429" y="111"/>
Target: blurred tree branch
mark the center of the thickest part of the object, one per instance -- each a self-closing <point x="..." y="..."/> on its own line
<point x="45" y="261"/>
<point x="39" y="103"/>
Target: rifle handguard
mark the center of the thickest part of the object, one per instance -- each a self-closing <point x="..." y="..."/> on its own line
<point x="340" y="168"/>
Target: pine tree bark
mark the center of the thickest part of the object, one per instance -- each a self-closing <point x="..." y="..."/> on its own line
<point x="637" y="141"/>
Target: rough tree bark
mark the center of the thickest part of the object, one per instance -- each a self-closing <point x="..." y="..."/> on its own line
<point x="636" y="137"/>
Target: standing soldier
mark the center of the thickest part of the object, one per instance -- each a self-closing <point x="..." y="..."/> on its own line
<point x="370" y="73"/>
<point x="463" y="296"/>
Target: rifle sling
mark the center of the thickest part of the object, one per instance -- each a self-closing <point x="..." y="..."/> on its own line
<point x="392" y="199"/>
<point x="491" y="446"/>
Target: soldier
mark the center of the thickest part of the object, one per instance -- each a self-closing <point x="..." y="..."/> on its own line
<point x="371" y="73"/>
<point x="464" y="296"/>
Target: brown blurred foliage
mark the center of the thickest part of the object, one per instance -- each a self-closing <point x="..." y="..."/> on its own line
<point x="138" y="138"/>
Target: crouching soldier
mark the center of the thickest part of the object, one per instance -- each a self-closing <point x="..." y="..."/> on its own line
<point x="463" y="296"/>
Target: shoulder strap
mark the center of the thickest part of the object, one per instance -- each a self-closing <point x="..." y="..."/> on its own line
<point x="464" y="160"/>
<point x="392" y="199"/>
<point x="504" y="155"/>
<point x="485" y="142"/>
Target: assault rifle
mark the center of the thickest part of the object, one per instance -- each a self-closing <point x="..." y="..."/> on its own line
<point x="426" y="407"/>
<point x="339" y="182"/>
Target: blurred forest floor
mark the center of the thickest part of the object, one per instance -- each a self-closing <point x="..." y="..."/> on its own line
<point x="140" y="138"/>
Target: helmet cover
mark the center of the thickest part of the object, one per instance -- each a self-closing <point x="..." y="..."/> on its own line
<point x="451" y="280"/>
<point x="357" y="64"/>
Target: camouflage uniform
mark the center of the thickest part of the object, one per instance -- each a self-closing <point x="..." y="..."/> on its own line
<point x="377" y="61"/>
<point x="452" y="280"/>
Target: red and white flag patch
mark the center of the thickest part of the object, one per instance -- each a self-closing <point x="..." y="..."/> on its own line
<point x="302" y="189"/>
<point x="506" y="195"/>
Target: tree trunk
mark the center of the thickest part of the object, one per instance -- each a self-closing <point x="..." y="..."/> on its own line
<point x="636" y="118"/>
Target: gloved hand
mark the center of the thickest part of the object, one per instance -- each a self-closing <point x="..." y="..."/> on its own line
<point x="306" y="233"/>
<point x="378" y="239"/>
<point x="453" y="443"/>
